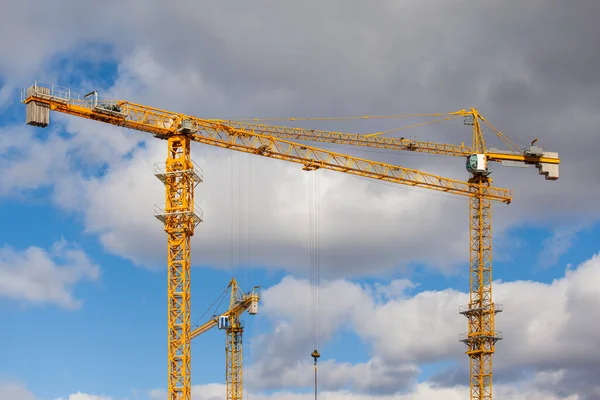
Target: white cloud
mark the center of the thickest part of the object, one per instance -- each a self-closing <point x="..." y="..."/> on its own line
<point x="350" y="59"/>
<point x="275" y="204"/>
<point x="527" y="390"/>
<point x="374" y="376"/>
<point x="28" y="163"/>
<point x="561" y="241"/>
<point x="211" y="391"/>
<point x="220" y="72"/>
<point x="402" y="331"/>
<point x="35" y="275"/>
<point x="15" y="391"/>
<point x="407" y="331"/>
<point x="533" y="389"/>
<point x="84" y="396"/>
<point x="275" y="213"/>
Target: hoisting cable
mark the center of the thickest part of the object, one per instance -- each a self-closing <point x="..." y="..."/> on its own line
<point x="313" y="195"/>
<point x="241" y="230"/>
<point x="221" y="297"/>
<point x="231" y="197"/>
<point x="247" y="338"/>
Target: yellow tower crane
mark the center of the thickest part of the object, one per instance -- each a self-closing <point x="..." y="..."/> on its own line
<point x="180" y="175"/>
<point x="231" y="323"/>
<point x="481" y="336"/>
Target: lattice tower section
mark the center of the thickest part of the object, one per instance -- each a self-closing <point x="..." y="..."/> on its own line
<point x="180" y="217"/>
<point x="481" y="336"/>
<point x="234" y="363"/>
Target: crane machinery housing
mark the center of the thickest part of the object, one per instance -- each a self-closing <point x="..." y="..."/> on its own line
<point x="181" y="216"/>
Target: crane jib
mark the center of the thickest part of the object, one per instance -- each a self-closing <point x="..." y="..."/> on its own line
<point x="164" y="124"/>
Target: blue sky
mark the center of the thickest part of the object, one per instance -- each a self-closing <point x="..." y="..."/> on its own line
<point x="117" y="341"/>
<point x="84" y="298"/>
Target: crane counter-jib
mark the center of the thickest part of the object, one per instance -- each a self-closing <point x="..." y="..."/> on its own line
<point x="164" y="124"/>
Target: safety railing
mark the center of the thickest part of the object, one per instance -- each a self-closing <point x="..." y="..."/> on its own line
<point x="45" y="90"/>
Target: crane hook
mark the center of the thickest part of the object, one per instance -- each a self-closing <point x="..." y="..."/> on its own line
<point x="315" y="354"/>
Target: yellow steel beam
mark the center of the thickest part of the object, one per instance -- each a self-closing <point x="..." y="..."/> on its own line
<point x="236" y="310"/>
<point x="353" y="139"/>
<point x="164" y="124"/>
<point x="234" y="368"/>
<point x="481" y="336"/>
<point x="390" y="143"/>
<point x="179" y="225"/>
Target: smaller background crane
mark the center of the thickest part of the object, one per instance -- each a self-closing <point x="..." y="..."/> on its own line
<point x="230" y="322"/>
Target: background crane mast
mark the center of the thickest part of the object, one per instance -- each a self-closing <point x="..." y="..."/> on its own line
<point x="180" y="176"/>
<point x="481" y="310"/>
<point x="231" y="323"/>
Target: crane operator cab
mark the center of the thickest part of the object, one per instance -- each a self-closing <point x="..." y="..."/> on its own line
<point x="223" y="322"/>
<point x="477" y="164"/>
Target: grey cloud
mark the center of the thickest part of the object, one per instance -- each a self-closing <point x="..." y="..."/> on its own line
<point x="374" y="377"/>
<point x="582" y="381"/>
<point x="530" y="68"/>
<point x="354" y="59"/>
<point x="557" y="337"/>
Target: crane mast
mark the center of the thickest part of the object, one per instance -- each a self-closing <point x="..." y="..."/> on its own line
<point x="233" y="354"/>
<point x="180" y="215"/>
<point x="481" y="337"/>
<point x="180" y="219"/>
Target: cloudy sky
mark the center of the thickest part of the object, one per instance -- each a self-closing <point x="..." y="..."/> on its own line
<point x="82" y="260"/>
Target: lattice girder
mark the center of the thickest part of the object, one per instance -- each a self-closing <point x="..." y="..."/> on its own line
<point x="180" y="222"/>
